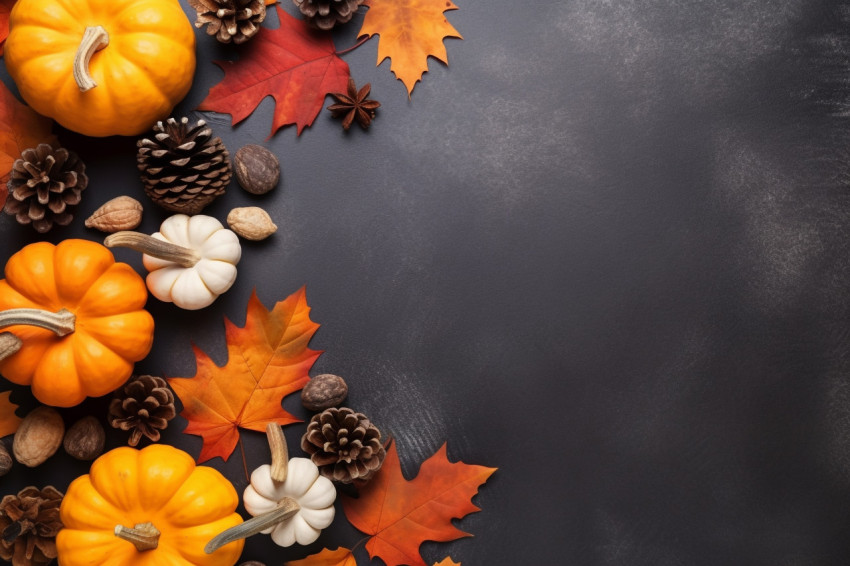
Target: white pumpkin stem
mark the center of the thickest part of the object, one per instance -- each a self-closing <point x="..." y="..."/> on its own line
<point x="284" y="511"/>
<point x="280" y="454"/>
<point x="61" y="322"/>
<point x="9" y="344"/>
<point x="144" y="536"/>
<point x="184" y="257"/>
<point x="94" y="39"/>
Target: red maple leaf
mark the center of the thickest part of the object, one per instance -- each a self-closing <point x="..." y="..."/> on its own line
<point x="401" y="515"/>
<point x="294" y="64"/>
<point x="5" y="9"/>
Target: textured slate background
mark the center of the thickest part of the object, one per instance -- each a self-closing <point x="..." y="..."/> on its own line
<point x="604" y="251"/>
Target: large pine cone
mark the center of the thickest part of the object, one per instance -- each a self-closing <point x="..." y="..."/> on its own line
<point x="230" y="20"/>
<point x="44" y="186"/>
<point x="29" y="522"/>
<point x="143" y="406"/>
<point x="325" y="14"/>
<point x="344" y="445"/>
<point x="183" y="167"/>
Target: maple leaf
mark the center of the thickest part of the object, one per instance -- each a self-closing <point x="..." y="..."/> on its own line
<point x="9" y="421"/>
<point x="339" y="557"/>
<point x="20" y="128"/>
<point x="268" y="359"/>
<point x="410" y="31"/>
<point x="294" y="64"/>
<point x="5" y="9"/>
<point x="401" y="515"/>
<point x="447" y="561"/>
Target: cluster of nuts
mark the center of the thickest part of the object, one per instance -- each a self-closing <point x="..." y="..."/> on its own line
<point x="42" y="431"/>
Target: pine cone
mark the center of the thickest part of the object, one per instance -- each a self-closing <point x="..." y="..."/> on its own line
<point x="29" y="522"/>
<point x="143" y="406"/>
<point x="344" y="445"/>
<point x="230" y="20"/>
<point x="183" y="167"/>
<point x="325" y="14"/>
<point x="45" y="184"/>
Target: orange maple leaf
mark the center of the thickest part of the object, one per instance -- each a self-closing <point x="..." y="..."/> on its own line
<point x="410" y="30"/>
<point x="339" y="557"/>
<point x="9" y="421"/>
<point x="5" y="9"/>
<point x="268" y="359"/>
<point x="401" y="515"/>
<point x="20" y="128"/>
<point x="447" y="561"/>
<point x="294" y="64"/>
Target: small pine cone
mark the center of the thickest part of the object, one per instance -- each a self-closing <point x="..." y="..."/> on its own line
<point x="183" y="167"/>
<point x="230" y="20"/>
<point x="325" y="14"/>
<point x="44" y="186"/>
<point x="344" y="445"/>
<point x="143" y="406"/>
<point x="29" y="522"/>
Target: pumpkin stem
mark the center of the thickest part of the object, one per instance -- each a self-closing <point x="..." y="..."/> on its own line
<point x="61" y="322"/>
<point x="160" y="249"/>
<point x="9" y="344"/>
<point x="284" y="511"/>
<point x="94" y="39"/>
<point x="144" y="536"/>
<point x="280" y="454"/>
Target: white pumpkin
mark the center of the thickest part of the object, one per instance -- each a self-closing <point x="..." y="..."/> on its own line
<point x="314" y="493"/>
<point x="191" y="260"/>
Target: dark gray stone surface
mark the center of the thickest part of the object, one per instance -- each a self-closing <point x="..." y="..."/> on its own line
<point x="604" y="250"/>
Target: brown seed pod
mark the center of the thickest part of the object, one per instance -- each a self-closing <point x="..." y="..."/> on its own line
<point x="85" y="439"/>
<point x="38" y="436"/>
<point x="257" y="169"/>
<point x="323" y="392"/>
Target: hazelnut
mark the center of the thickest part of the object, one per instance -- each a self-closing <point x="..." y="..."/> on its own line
<point x="257" y="169"/>
<point x="323" y="392"/>
<point x="85" y="439"/>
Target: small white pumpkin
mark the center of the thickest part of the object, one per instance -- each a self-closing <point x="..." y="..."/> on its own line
<point x="191" y="260"/>
<point x="288" y="499"/>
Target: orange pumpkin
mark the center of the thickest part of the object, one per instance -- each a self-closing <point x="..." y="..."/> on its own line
<point x="110" y="330"/>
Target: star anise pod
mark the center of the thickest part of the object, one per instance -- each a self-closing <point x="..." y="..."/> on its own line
<point x="354" y="106"/>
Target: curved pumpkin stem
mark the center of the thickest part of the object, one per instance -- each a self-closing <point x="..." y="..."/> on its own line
<point x="94" y="39"/>
<point x="9" y="344"/>
<point x="144" y="536"/>
<point x="283" y="512"/>
<point x="280" y="454"/>
<point x="62" y="322"/>
<point x="182" y="256"/>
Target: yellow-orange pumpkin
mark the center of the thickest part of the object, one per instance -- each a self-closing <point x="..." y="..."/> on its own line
<point x="144" y="69"/>
<point x="187" y="504"/>
<point x="111" y="332"/>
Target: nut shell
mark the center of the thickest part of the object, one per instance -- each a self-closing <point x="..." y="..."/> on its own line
<point x="38" y="436"/>
<point x="120" y="213"/>
<point x="251" y="223"/>
<point x="5" y="460"/>
<point x="85" y="439"/>
<point x="257" y="169"/>
<point x="323" y="392"/>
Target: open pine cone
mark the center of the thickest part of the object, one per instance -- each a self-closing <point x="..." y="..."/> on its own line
<point x="325" y="14"/>
<point x="143" y="406"/>
<point x="230" y="20"/>
<point x="29" y="522"/>
<point x="344" y="445"/>
<point x="44" y="186"/>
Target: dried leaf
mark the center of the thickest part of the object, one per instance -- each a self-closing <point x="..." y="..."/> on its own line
<point x="268" y="359"/>
<point x="9" y="421"/>
<point x="447" y="561"/>
<point x="401" y="515"/>
<point x="20" y="128"/>
<point x="338" y="557"/>
<point x="410" y="31"/>
<point x="5" y="9"/>
<point x="294" y="64"/>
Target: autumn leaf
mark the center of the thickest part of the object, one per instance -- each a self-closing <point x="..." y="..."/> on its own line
<point x="339" y="557"/>
<point x="5" y="9"/>
<point x="401" y="515"/>
<point x="294" y="64"/>
<point x="9" y="421"/>
<point x="268" y="359"/>
<point x="410" y="31"/>
<point x="447" y="561"/>
<point x="20" y="128"/>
